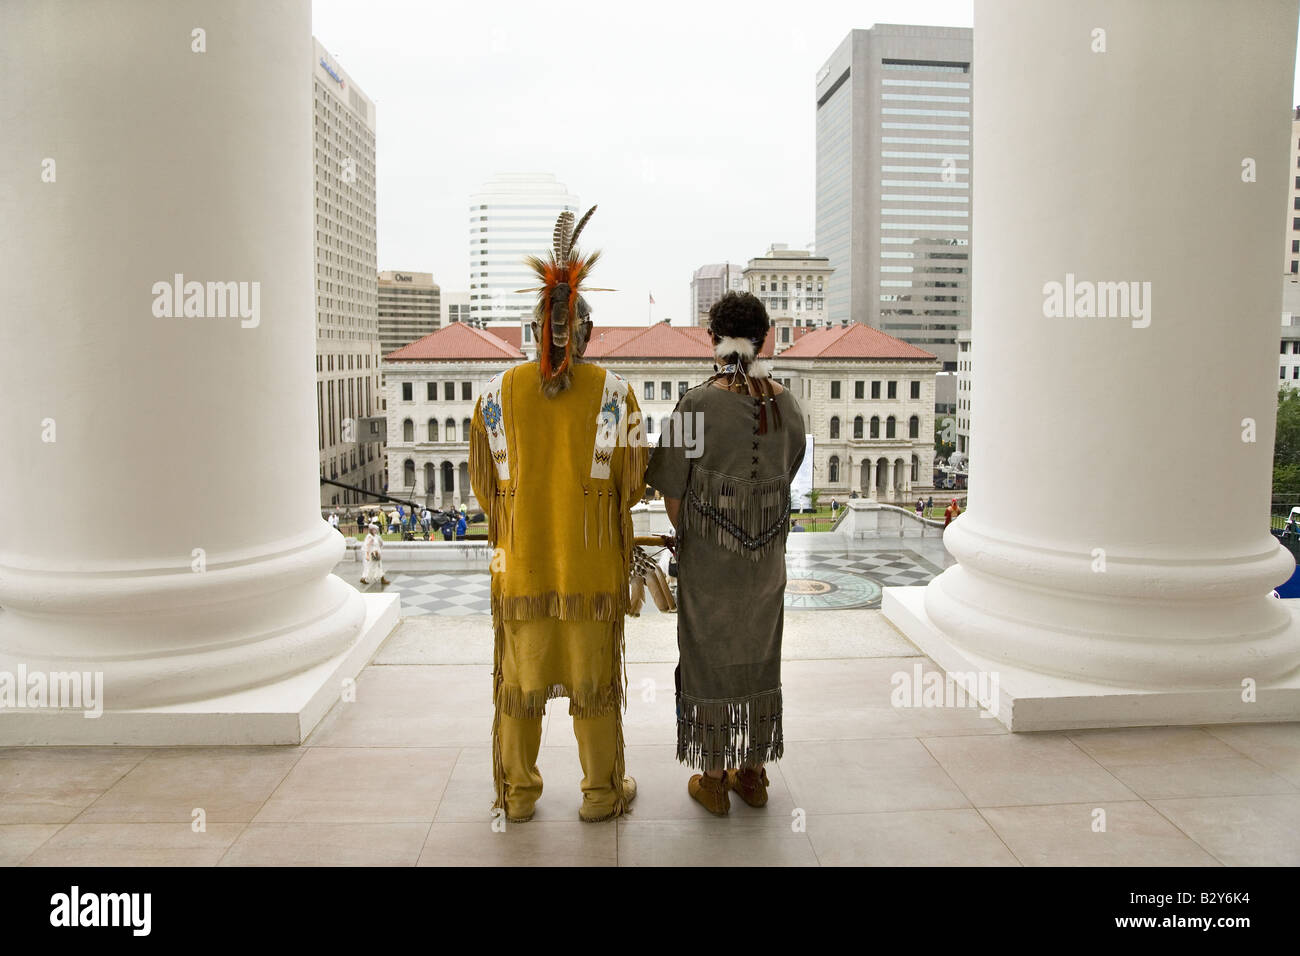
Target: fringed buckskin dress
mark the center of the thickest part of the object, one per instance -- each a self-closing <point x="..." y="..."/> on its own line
<point x="735" y="515"/>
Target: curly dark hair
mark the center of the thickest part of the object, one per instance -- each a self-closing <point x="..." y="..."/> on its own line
<point x="742" y="315"/>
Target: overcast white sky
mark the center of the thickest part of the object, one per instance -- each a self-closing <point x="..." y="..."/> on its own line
<point x="689" y="123"/>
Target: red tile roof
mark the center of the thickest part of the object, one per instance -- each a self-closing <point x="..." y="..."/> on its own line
<point x="461" y="342"/>
<point x="457" y="342"/>
<point x="853" y="341"/>
<point x="510" y="333"/>
<point x="658" y="341"/>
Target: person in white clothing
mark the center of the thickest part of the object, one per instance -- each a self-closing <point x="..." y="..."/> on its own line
<point x="372" y="551"/>
<point x="334" y="521"/>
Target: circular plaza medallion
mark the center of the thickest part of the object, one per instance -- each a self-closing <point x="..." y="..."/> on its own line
<point x="826" y="590"/>
<point x="807" y="586"/>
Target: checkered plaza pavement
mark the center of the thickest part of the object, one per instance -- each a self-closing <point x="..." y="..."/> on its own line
<point x="814" y="581"/>
<point x="455" y="594"/>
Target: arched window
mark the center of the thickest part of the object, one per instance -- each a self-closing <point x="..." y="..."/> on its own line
<point x="835" y="426"/>
<point x="916" y="469"/>
<point x="875" y="426"/>
<point x="448" y="476"/>
<point x="914" y="427"/>
<point x="408" y="474"/>
<point x="433" y="429"/>
<point x="834" y="469"/>
<point x="857" y="427"/>
<point x="464" y="435"/>
<point x="890" y="427"/>
<point x="449" y="432"/>
<point x="408" y="430"/>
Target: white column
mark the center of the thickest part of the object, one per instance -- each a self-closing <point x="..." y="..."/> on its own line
<point x="163" y="526"/>
<point x="1124" y="577"/>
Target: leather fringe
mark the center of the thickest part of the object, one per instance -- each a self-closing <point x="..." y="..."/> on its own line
<point x="619" y="675"/>
<point x="749" y="517"/>
<point x="565" y="607"/>
<point x="498" y="681"/>
<point x="584" y="702"/>
<point x="483" y="480"/>
<point x="737" y="732"/>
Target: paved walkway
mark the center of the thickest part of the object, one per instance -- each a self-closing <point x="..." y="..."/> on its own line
<point x="402" y="776"/>
<point x="823" y="572"/>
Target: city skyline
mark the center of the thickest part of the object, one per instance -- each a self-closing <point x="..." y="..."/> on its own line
<point x="646" y="145"/>
<point x="669" y="204"/>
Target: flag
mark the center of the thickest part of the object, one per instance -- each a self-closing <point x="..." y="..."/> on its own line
<point x="652" y="298"/>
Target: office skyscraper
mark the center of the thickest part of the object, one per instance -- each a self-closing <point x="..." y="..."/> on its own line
<point x="511" y="216"/>
<point x="893" y="126"/>
<point x="347" y="324"/>
<point x="410" y="308"/>
<point x="1291" y="255"/>
<point x="708" y="285"/>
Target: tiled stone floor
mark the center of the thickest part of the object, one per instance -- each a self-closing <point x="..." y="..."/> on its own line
<point x="818" y="580"/>
<point x="402" y="776"/>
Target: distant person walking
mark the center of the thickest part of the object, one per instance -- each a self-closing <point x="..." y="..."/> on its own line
<point x="920" y="508"/>
<point x="373" y="552"/>
<point x="448" y="529"/>
<point x="334" y="520"/>
<point x="929" y="507"/>
<point x="950" y="513"/>
<point x="462" y="523"/>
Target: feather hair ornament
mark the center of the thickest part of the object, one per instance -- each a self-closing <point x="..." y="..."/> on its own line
<point x="559" y="297"/>
<point x="745" y="369"/>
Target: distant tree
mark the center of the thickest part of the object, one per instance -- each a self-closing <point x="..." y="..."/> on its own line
<point x="1286" y="445"/>
<point x="942" y="449"/>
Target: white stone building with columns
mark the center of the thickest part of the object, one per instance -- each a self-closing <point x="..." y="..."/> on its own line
<point x="868" y="400"/>
<point x="431" y="386"/>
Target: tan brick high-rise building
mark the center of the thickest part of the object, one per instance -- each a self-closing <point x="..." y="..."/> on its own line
<point x="347" y="321"/>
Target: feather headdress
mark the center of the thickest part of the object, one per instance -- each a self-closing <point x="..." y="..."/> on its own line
<point x="559" y="297"/>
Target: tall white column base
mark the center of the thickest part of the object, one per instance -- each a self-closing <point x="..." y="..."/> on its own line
<point x="283" y="712"/>
<point x="1029" y="701"/>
